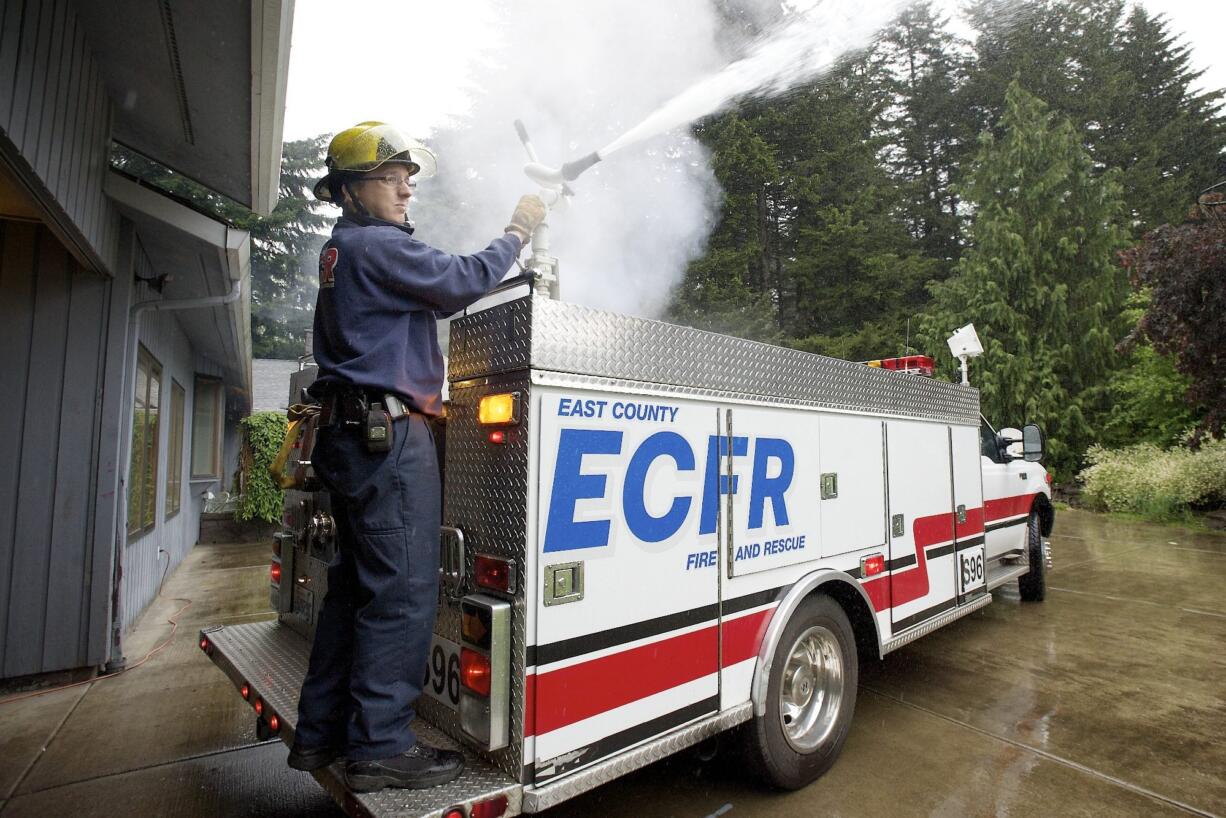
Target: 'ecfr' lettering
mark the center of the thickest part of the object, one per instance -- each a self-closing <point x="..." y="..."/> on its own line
<point x="770" y="477"/>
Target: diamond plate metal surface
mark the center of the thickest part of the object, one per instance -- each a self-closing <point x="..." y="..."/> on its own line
<point x="273" y="659"/>
<point x="542" y="798"/>
<point x="487" y="497"/>
<point x="543" y="334"/>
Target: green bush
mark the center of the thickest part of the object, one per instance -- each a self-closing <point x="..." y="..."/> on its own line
<point x="1157" y="483"/>
<point x="263" y="433"/>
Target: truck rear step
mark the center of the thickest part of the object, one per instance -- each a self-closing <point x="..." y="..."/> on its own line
<point x="271" y="659"/>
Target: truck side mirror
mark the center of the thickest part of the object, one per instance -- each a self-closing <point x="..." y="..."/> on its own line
<point x="1032" y="443"/>
<point x="1009" y="440"/>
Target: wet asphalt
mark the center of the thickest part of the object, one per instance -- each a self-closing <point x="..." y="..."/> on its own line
<point x="1107" y="699"/>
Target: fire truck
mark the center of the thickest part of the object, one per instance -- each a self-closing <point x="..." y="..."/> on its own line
<point x="654" y="534"/>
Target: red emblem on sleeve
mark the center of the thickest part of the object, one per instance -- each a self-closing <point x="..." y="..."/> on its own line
<point x="327" y="267"/>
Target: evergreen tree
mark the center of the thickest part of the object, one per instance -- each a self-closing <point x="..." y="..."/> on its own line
<point x="731" y="288"/>
<point x="1167" y="138"/>
<point x="285" y="254"/>
<point x="924" y="76"/>
<point x="1040" y="280"/>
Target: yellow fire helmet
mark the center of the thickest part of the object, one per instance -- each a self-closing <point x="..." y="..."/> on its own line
<point x="368" y="145"/>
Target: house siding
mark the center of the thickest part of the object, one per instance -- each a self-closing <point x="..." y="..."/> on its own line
<point x="56" y="115"/>
<point x="54" y="324"/>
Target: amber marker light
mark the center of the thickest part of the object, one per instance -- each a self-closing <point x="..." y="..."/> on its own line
<point x="499" y="410"/>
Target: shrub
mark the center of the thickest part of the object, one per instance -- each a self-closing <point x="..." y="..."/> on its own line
<point x="1160" y="484"/>
<point x="263" y="433"/>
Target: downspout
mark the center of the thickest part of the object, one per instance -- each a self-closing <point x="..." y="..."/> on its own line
<point x="138" y="309"/>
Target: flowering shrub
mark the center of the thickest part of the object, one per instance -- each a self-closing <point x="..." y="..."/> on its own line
<point x="1157" y="483"/>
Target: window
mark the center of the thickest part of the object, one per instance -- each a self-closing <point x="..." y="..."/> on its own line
<point x="988" y="446"/>
<point x="143" y="474"/>
<point x="174" y="457"/>
<point x="206" y="429"/>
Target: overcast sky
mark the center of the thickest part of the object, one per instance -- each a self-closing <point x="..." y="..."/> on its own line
<point x="412" y="63"/>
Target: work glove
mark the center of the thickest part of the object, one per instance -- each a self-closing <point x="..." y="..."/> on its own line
<point x="528" y="215"/>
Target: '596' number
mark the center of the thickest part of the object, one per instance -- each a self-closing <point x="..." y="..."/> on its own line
<point x="442" y="682"/>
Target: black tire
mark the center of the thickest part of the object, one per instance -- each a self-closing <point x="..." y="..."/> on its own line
<point x="1032" y="586"/>
<point x="776" y="758"/>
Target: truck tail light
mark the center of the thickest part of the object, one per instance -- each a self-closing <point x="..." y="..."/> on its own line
<point x="498" y="436"/>
<point x="485" y="670"/>
<point x="490" y="808"/>
<point x="475" y="671"/>
<point x="274" y="572"/>
<point x="454" y="812"/>
<point x="501" y="409"/>
<point x="494" y="574"/>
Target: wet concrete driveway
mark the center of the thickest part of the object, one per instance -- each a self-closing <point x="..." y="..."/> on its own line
<point x="1107" y="699"/>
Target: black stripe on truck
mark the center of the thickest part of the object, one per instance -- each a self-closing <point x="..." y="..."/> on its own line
<point x="591" y="642"/>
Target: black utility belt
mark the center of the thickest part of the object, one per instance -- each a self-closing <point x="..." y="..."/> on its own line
<point x="372" y="412"/>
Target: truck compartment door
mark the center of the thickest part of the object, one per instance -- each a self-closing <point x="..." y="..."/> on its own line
<point x="921" y="522"/>
<point x="970" y="567"/>
<point x="851" y="453"/>
<point x="626" y="606"/>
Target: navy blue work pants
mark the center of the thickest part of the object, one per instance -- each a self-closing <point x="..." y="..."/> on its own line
<point x="374" y="630"/>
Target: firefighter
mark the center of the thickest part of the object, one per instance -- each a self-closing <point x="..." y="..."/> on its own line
<point x="380" y="380"/>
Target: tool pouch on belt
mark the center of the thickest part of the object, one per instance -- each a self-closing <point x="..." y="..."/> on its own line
<point x="378" y="429"/>
<point x="299" y="414"/>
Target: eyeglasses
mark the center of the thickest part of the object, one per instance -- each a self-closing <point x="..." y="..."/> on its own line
<point x="391" y="180"/>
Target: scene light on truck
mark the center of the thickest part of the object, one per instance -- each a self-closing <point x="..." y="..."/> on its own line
<point x="500" y="409"/>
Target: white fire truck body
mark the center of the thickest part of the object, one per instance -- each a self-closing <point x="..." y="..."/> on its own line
<point x="632" y="530"/>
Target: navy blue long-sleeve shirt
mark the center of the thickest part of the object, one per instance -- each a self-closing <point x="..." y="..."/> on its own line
<point x="381" y="292"/>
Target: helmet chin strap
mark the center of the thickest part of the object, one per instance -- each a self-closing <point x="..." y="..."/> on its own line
<point x="357" y="203"/>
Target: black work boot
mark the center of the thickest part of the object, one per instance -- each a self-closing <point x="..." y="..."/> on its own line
<point x="417" y="768"/>
<point x="310" y="759"/>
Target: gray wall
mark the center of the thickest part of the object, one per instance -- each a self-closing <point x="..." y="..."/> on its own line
<point x="54" y="576"/>
<point x="152" y="555"/>
<point x="55" y="111"/>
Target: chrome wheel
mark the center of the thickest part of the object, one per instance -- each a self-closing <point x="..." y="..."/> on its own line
<point x="811" y="689"/>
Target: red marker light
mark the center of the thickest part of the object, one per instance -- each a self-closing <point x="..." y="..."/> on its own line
<point x="498" y="436"/>
<point x="492" y="573"/>
<point x="1047" y="477"/>
<point x="871" y="566"/>
<point x="245" y="690"/>
<point x="204" y="644"/>
<point x="493" y="808"/>
<point x="259" y="707"/>
<point x="274" y="723"/>
<point x="274" y="571"/>
<point x="454" y="812"/>
<point x="475" y="671"/>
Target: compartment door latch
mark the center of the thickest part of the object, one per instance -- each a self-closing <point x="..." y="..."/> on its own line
<point x="563" y="583"/>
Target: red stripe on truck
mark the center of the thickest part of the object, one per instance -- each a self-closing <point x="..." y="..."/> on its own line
<point x="571" y="694"/>
<point x="1003" y="507"/>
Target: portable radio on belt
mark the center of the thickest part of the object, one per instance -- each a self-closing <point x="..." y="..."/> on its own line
<point x="378" y="429"/>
